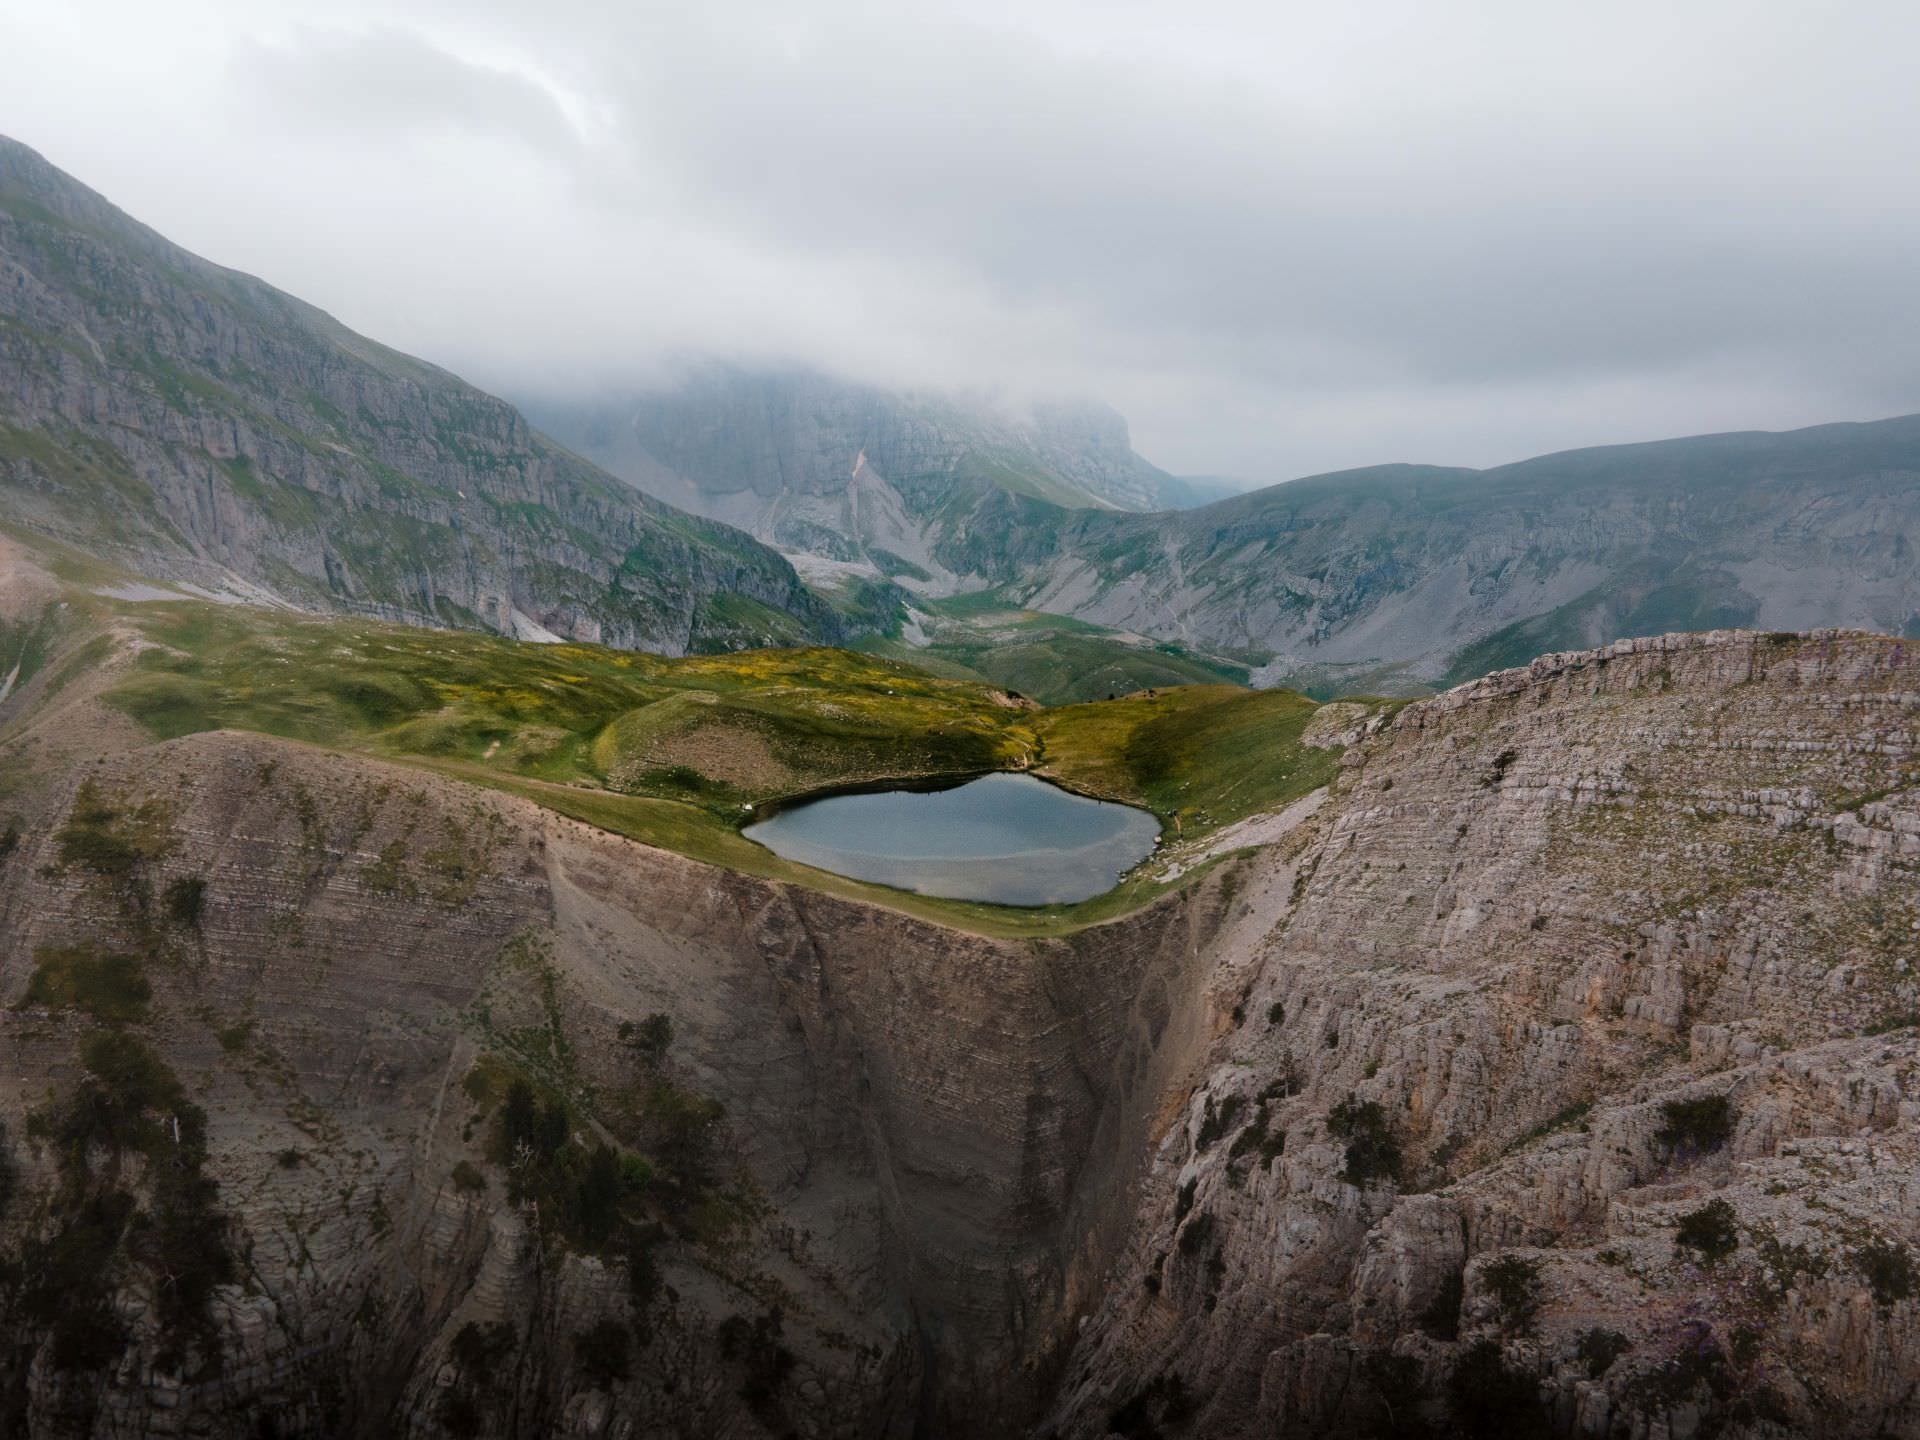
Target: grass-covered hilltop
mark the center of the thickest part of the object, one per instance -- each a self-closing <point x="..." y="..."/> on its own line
<point x="675" y="752"/>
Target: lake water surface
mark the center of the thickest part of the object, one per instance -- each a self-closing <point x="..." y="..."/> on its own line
<point x="1010" y="839"/>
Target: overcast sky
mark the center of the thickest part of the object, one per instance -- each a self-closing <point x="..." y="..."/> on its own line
<point x="1280" y="237"/>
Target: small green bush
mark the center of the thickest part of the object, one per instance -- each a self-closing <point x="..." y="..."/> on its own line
<point x="650" y="1038"/>
<point x="1888" y="1266"/>
<point x="1711" y="1232"/>
<point x="1598" y="1348"/>
<point x="1216" y="1122"/>
<point x="1486" y="1398"/>
<point x="1373" y="1154"/>
<point x="479" y="1349"/>
<point x="111" y="988"/>
<point x="1696" y="1126"/>
<point x="186" y="898"/>
<point x="467" y="1178"/>
<point x="1514" y="1283"/>
<point x="602" y="1352"/>
<point x="1441" y="1318"/>
<point x="1198" y="1232"/>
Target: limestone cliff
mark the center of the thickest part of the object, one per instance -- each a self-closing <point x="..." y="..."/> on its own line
<point x="1577" y="1093"/>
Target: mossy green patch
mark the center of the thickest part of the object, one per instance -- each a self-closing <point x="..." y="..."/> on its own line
<point x="681" y="752"/>
<point x="109" y="987"/>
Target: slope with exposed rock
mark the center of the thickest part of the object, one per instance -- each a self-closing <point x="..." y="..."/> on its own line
<point x="1406" y="576"/>
<point x="195" y="425"/>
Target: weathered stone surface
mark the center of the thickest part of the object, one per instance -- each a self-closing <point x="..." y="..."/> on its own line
<point x="1546" y="905"/>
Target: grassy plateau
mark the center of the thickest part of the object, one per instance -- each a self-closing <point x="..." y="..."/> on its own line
<point x="680" y="753"/>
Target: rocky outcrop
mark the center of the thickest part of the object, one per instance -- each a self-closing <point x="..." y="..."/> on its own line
<point x="925" y="1137"/>
<point x="192" y="423"/>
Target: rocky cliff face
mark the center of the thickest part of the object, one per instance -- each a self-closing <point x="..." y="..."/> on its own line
<point x="1578" y="1092"/>
<point x="1557" y="1075"/>
<point x="854" y="473"/>
<point x="192" y="423"/>
<point x="1409" y="575"/>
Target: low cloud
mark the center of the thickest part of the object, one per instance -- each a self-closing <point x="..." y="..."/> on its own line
<point x="1281" y="239"/>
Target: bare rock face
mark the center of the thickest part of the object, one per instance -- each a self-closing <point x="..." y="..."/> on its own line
<point x="1578" y="1093"/>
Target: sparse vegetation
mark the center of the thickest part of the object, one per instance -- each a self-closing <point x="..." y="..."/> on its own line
<point x="1888" y="1267"/>
<point x="110" y="987"/>
<point x="757" y="1347"/>
<point x="186" y="898"/>
<point x="1514" y="1283"/>
<point x="602" y="1352"/>
<point x="1215" y="1121"/>
<point x="1695" y="1127"/>
<point x="1197" y="1234"/>
<point x="110" y="838"/>
<point x="1162" y="1402"/>
<point x="1183" y="1200"/>
<point x="1711" y="1232"/>
<point x="1441" y="1318"/>
<point x="467" y="1178"/>
<point x="1487" y="1397"/>
<point x="1373" y="1153"/>
<point x="1599" y="1347"/>
<point x="127" y="1103"/>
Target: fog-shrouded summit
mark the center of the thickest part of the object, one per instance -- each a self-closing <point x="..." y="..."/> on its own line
<point x="1281" y="239"/>
<point x="896" y="480"/>
<point x="193" y="424"/>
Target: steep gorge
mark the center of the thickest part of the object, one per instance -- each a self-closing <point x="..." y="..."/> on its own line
<point x="1084" y="1182"/>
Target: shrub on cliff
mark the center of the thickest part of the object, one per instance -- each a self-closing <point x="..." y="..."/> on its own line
<point x="128" y="1102"/>
<point x="602" y="1353"/>
<point x="1485" y="1397"/>
<point x="1695" y="1126"/>
<point x="1373" y="1153"/>
<point x="1710" y="1232"/>
<point x="1888" y="1268"/>
<point x="1514" y="1283"/>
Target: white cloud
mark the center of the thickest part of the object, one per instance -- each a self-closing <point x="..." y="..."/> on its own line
<point x="1280" y="238"/>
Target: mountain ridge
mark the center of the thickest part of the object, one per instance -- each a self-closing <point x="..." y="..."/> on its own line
<point x="195" y="423"/>
<point x="1426" y="574"/>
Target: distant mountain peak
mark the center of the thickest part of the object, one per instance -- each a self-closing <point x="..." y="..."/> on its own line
<point x="819" y="465"/>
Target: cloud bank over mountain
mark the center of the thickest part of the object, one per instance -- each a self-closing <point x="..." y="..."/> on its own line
<point x="1280" y="239"/>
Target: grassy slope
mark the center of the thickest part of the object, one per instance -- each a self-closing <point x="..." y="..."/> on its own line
<point x="674" y="752"/>
<point x="1054" y="659"/>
